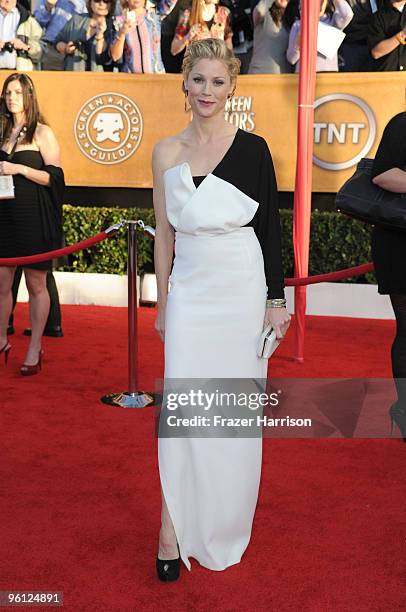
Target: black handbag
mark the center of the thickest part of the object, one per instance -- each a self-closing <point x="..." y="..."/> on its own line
<point x="360" y="198"/>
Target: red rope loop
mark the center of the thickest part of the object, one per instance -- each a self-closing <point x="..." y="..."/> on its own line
<point x="83" y="244"/>
<point x="330" y="276"/>
<point x="30" y="259"/>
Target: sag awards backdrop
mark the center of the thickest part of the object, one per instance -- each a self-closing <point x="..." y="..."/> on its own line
<point x="108" y="124"/>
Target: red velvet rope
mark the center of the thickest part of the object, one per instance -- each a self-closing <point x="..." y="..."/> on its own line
<point x="30" y="259"/>
<point x="330" y="276"/>
<point x="85" y="244"/>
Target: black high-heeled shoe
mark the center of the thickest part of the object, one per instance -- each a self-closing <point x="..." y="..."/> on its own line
<point x="168" y="570"/>
<point x="398" y="416"/>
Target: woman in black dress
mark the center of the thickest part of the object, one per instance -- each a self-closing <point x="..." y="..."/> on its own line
<point x="31" y="222"/>
<point x="389" y="253"/>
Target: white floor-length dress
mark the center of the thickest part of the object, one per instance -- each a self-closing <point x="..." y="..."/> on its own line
<point x="214" y="318"/>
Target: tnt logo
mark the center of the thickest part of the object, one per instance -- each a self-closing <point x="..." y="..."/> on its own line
<point x="108" y="128"/>
<point x="338" y="133"/>
<point x="344" y="131"/>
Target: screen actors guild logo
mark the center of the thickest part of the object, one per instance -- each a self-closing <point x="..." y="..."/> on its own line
<point x="108" y="128"/>
<point x="238" y="111"/>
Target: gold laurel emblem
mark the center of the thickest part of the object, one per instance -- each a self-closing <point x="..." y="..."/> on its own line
<point x="108" y="128"/>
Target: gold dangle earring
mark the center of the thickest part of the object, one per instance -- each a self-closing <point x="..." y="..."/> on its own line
<point x="231" y="95"/>
<point x="229" y="101"/>
<point x="186" y="108"/>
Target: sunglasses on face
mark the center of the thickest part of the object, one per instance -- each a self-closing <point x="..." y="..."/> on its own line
<point x="102" y="1"/>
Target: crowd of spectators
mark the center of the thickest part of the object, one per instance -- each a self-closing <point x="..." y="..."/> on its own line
<point x="150" y="36"/>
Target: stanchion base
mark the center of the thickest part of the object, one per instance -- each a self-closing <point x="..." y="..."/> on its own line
<point x="139" y="399"/>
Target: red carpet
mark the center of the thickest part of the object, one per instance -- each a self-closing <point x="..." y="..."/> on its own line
<point x="80" y="489"/>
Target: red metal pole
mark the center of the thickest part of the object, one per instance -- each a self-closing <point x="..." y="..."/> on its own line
<point x="310" y="10"/>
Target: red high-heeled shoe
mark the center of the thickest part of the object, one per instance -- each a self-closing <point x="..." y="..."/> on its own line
<point x="6" y="349"/>
<point x="30" y="370"/>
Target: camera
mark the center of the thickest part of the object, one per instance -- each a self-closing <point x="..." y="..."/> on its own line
<point x="79" y="45"/>
<point x="21" y="52"/>
<point x="8" y="47"/>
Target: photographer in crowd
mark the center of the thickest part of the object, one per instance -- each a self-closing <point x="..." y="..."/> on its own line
<point x="205" y="19"/>
<point x="137" y="37"/>
<point x="273" y="20"/>
<point x="333" y="13"/>
<point x="85" y="39"/>
<point x="172" y="63"/>
<point x="354" y="53"/>
<point x="243" y="34"/>
<point x="20" y="36"/>
<point x="387" y="36"/>
<point x="53" y="15"/>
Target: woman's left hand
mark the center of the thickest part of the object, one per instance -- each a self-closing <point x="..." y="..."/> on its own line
<point x="9" y="168"/>
<point x="101" y="27"/>
<point x="297" y="41"/>
<point x="19" y="45"/>
<point x="279" y="319"/>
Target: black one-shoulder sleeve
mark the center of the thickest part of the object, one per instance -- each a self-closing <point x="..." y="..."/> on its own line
<point x="266" y="224"/>
<point x="248" y="166"/>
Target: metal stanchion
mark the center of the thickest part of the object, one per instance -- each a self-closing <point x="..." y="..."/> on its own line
<point x="133" y="398"/>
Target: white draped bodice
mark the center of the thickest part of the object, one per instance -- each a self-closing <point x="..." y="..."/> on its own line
<point x="214" y="207"/>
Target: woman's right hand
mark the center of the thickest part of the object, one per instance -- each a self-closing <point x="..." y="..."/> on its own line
<point x="160" y="322"/>
<point x="194" y="32"/>
<point x="8" y="168"/>
<point x="101" y="27"/>
<point x="19" y="45"/>
<point x="128" y="25"/>
<point x="70" y="48"/>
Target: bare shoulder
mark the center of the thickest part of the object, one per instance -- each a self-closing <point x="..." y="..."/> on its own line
<point x="166" y="152"/>
<point x="44" y="133"/>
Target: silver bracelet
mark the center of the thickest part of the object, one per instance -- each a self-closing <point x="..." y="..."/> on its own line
<point x="276" y="303"/>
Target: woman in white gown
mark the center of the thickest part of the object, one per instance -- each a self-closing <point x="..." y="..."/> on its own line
<point x="215" y="198"/>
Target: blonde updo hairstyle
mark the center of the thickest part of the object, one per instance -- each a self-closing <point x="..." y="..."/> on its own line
<point x="213" y="49"/>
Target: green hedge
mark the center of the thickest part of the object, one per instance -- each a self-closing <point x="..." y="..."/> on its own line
<point x="109" y="256"/>
<point x="336" y="241"/>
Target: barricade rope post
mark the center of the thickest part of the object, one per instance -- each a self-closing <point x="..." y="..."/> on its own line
<point x="133" y="398"/>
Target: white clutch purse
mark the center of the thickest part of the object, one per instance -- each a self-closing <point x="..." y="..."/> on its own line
<point x="268" y="343"/>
